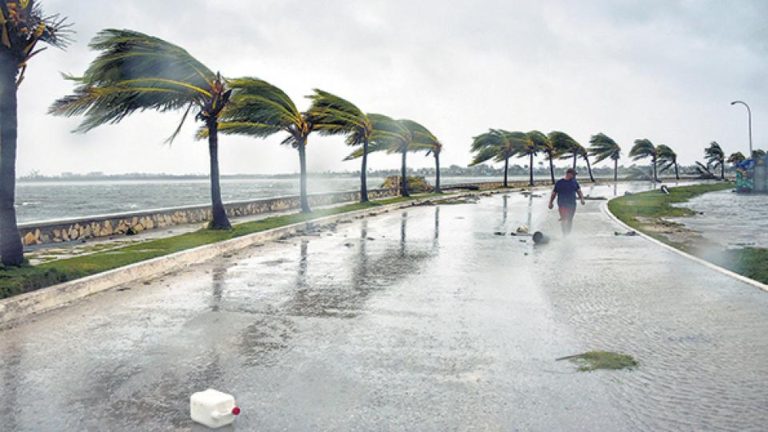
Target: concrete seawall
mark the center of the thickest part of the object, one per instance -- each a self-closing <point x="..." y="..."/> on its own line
<point x="110" y="225"/>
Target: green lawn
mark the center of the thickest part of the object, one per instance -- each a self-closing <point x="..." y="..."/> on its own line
<point x="750" y="262"/>
<point x="15" y="281"/>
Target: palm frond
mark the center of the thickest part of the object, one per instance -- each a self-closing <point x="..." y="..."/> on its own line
<point x="603" y="147"/>
<point x="137" y="72"/>
<point x="334" y="115"/>
<point x="643" y="148"/>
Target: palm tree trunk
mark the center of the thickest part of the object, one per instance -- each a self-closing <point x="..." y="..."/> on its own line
<point x="506" y="172"/>
<point x="574" y="160"/>
<point x="220" y="220"/>
<point x="303" y="176"/>
<point x="615" y="170"/>
<point x="11" y="249"/>
<point x="655" y="176"/>
<point x="589" y="169"/>
<point x="364" y="174"/>
<point x="404" y="180"/>
<point x="722" y="170"/>
<point x="530" y="170"/>
<point x="677" y="174"/>
<point x="551" y="168"/>
<point x="437" y="173"/>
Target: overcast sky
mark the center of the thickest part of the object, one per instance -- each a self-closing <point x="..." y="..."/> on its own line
<point x="659" y="69"/>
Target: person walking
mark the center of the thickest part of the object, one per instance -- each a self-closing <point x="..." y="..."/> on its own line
<point x="566" y="189"/>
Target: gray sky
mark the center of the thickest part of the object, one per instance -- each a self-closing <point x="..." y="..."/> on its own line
<point x="658" y="69"/>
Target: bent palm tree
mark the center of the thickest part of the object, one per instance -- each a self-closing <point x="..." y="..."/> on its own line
<point x="544" y="144"/>
<point x="668" y="159"/>
<point x="528" y="148"/>
<point x="333" y="115"/>
<point x="585" y="155"/>
<point x="642" y="149"/>
<point x="259" y="109"/>
<point x="136" y="72"/>
<point x="565" y="146"/>
<point x="603" y="147"/>
<point x="499" y="145"/>
<point x="736" y="158"/>
<point x="715" y="157"/>
<point x="22" y="26"/>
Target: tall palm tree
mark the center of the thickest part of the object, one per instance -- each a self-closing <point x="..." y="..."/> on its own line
<point x="603" y="147"/>
<point x="136" y="72"/>
<point x="22" y="26"/>
<point x="333" y="115"/>
<point x="736" y="158"/>
<point x="529" y="149"/>
<point x="715" y="157"/>
<point x="437" y="148"/>
<point x="544" y="144"/>
<point x="668" y="159"/>
<point x="585" y="155"/>
<point x="565" y="146"/>
<point x="259" y="109"/>
<point x="644" y="148"/>
<point x="427" y="141"/>
<point x="499" y="145"/>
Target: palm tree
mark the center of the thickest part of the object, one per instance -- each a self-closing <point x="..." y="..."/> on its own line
<point x="715" y="157"/>
<point x="259" y="109"/>
<point x="565" y="146"/>
<point x="499" y="145"/>
<point x="396" y="136"/>
<point x="644" y="148"/>
<point x="585" y="155"/>
<point x="333" y="115"/>
<point x="437" y="148"/>
<point x="603" y="147"/>
<point x="136" y="72"/>
<point x="544" y="144"/>
<point x="668" y="159"/>
<point x="22" y="26"/>
<point x="529" y="149"/>
<point x="758" y="154"/>
<point x="736" y="158"/>
<point x="427" y="141"/>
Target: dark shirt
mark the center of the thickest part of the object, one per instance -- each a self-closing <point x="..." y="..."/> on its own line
<point x="566" y="192"/>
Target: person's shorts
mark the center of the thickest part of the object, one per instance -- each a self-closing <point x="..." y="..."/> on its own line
<point x="566" y="213"/>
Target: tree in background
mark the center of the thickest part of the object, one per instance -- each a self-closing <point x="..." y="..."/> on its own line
<point x="259" y="109"/>
<point x="499" y="145"/>
<point x="333" y="115"/>
<point x="715" y="157"/>
<point x="736" y="158"/>
<point x="565" y="146"/>
<point x="668" y="159"/>
<point x="585" y="155"/>
<point x="603" y="147"/>
<point x="544" y="144"/>
<point x="642" y="149"/>
<point x="22" y="26"/>
<point x="529" y="149"/>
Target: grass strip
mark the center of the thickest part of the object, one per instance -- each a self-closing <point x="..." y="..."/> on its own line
<point x="18" y="280"/>
<point x="652" y="206"/>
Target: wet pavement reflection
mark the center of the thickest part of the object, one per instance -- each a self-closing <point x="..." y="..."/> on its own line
<point x="419" y="319"/>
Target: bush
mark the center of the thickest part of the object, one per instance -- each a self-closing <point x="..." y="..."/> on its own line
<point x="415" y="184"/>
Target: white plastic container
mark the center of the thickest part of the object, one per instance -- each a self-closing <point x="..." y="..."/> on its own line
<point x="213" y="408"/>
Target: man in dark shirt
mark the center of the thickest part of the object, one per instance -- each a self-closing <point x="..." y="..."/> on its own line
<point x="566" y="190"/>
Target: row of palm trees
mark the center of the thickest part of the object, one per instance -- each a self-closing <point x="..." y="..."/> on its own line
<point x="136" y="72"/>
<point x="500" y="145"/>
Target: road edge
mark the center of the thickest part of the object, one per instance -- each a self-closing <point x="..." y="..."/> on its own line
<point x="708" y="264"/>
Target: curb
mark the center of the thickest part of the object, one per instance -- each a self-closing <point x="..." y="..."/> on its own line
<point x="47" y="299"/>
<point x="705" y="263"/>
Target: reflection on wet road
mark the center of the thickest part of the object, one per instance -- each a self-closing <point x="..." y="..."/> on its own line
<point x="420" y="319"/>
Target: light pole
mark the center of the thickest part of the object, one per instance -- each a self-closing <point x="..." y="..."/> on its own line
<point x="749" y="113"/>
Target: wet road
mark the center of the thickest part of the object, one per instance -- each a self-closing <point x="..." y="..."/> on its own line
<point x="416" y="320"/>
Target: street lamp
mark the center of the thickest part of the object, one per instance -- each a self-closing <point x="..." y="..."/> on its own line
<point x="749" y="112"/>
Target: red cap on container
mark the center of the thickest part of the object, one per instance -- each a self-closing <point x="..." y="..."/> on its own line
<point x="236" y="410"/>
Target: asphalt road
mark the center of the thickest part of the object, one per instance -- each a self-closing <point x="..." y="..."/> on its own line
<point x="422" y="319"/>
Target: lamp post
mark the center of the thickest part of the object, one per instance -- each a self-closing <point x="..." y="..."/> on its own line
<point x="749" y="113"/>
